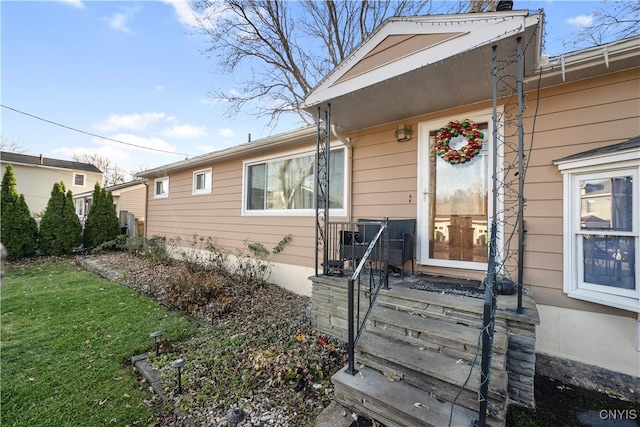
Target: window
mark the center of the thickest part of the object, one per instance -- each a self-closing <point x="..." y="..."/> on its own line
<point x="454" y="209"/>
<point x="161" y="188"/>
<point x="78" y="179"/>
<point x="286" y="185"/>
<point x="202" y="181"/>
<point x="601" y="205"/>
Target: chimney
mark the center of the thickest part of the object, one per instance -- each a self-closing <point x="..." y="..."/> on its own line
<point x="504" y="5"/>
<point x="41" y="159"/>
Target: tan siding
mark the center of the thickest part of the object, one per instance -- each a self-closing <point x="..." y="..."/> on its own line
<point x="571" y="119"/>
<point x="219" y="215"/>
<point x="133" y="200"/>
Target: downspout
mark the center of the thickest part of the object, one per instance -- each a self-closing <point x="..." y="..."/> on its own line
<point x="349" y="148"/>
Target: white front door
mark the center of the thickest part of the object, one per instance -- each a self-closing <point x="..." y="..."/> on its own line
<point x="454" y="203"/>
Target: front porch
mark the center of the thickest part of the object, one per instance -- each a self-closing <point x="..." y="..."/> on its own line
<point x="420" y="351"/>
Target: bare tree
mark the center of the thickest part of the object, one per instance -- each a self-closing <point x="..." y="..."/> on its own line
<point x="12" y="146"/>
<point x="616" y="20"/>
<point x="112" y="174"/>
<point x="278" y="50"/>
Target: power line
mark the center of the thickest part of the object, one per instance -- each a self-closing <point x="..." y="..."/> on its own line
<point x="93" y="134"/>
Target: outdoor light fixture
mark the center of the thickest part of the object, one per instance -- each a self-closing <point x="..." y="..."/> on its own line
<point x="235" y="416"/>
<point x="178" y="364"/>
<point x="156" y="338"/>
<point x="212" y="306"/>
<point x="403" y="133"/>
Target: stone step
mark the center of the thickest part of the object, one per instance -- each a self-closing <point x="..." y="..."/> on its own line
<point x="450" y="308"/>
<point x="454" y="339"/>
<point x="440" y="375"/>
<point x="397" y="403"/>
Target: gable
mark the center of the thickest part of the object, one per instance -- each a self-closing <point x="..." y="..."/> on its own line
<point x="394" y="48"/>
<point x="412" y="66"/>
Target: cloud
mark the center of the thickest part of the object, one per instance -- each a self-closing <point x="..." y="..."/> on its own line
<point x="74" y="3"/>
<point x="160" y="88"/>
<point x="185" y="131"/>
<point x="226" y="132"/>
<point x="580" y="21"/>
<point x="134" y="121"/>
<point x="186" y="16"/>
<point x="119" y="20"/>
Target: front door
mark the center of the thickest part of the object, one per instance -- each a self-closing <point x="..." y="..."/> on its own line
<point x="454" y="187"/>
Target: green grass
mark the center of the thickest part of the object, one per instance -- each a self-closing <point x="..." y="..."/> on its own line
<point x="66" y="340"/>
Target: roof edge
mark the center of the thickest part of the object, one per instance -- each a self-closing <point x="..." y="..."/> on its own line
<point x="279" y="140"/>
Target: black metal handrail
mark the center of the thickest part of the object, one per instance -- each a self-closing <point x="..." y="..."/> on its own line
<point x="367" y="263"/>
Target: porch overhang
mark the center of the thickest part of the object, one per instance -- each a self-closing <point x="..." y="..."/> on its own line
<point x="452" y="69"/>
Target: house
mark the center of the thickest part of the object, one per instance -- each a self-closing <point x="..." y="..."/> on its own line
<point x="130" y="202"/>
<point x="36" y="175"/>
<point x="559" y="135"/>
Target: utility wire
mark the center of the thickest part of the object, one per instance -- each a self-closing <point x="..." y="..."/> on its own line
<point x="93" y="134"/>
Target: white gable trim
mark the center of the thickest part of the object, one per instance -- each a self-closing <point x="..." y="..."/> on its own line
<point x="475" y="30"/>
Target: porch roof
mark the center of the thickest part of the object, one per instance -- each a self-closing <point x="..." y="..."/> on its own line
<point x="414" y="66"/>
<point x="411" y="66"/>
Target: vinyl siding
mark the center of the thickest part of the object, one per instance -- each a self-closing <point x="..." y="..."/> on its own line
<point x="36" y="183"/>
<point x="571" y="119"/>
<point x="219" y="215"/>
<point x="133" y="200"/>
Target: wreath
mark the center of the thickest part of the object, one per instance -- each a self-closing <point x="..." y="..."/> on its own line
<point x="472" y="134"/>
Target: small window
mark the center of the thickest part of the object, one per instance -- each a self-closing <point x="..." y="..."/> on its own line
<point x="161" y="188"/>
<point x="202" y="181"/>
<point x="601" y="238"/>
<point x="78" y="179"/>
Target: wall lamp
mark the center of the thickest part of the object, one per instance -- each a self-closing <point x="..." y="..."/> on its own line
<point x="403" y="133"/>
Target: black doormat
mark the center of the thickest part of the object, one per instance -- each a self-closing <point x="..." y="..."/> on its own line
<point x="441" y="286"/>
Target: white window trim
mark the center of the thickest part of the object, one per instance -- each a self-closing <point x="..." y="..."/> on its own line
<point x="424" y="128"/>
<point x="573" y="172"/>
<point x="166" y="186"/>
<point x="335" y="145"/>
<point x="208" y="181"/>
<point x="84" y="179"/>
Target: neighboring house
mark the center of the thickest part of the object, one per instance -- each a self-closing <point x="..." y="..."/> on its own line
<point x="128" y="198"/>
<point x="388" y="102"/>
<point x="36" y="175"/>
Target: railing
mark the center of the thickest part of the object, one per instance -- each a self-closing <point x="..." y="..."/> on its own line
<point x="360" y="249"/>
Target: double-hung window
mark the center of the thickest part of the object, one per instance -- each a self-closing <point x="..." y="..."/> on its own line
<point x="78" y="179"/>
<point x="286" y="185"/>
<point x="202" y="181"/>
<point x="161" y="188"/>
<point x="601" y="231"/>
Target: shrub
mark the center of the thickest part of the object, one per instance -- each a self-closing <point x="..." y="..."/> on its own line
<point x="60" y="229"/>
<point x="102" y="224"/>
<point x="19" y="229"/>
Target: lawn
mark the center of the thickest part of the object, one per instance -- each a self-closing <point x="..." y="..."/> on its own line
<point x="67" y="337"/>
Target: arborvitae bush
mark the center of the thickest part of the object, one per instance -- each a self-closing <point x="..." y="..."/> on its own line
<point x="102" y="224"/>
<point x="19" y="229"/>
<point x="60" y="228"/>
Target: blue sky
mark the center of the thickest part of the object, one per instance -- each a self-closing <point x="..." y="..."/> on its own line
<point x="130" y="71"/>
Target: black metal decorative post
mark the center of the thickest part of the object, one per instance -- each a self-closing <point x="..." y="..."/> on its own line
<point x="521" y="229"/>
<point x="490" y="280"/>
<point x="323" y="149"/>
